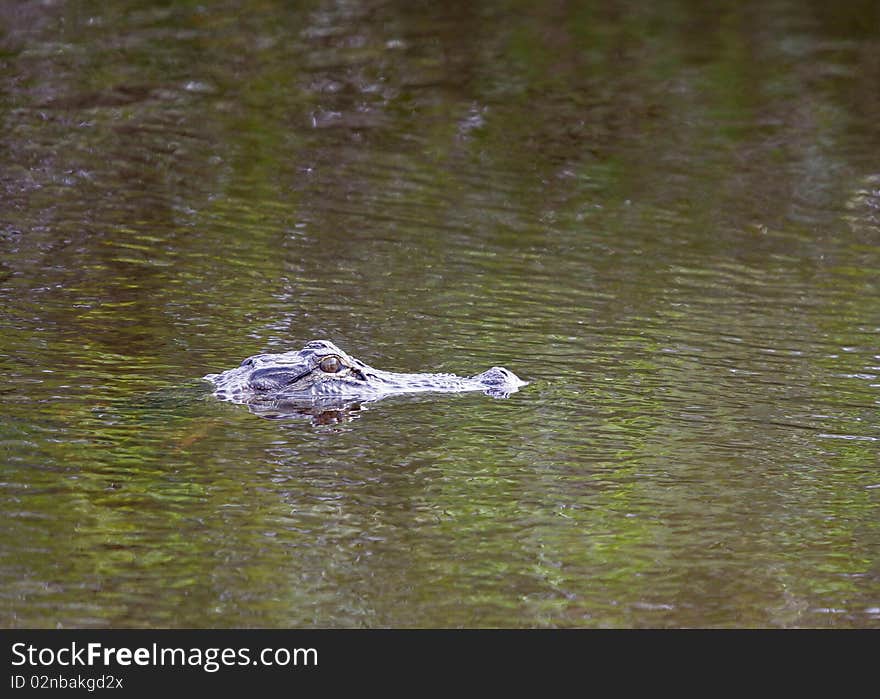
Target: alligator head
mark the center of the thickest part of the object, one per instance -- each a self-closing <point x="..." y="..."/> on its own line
<point x="322" y="373"/>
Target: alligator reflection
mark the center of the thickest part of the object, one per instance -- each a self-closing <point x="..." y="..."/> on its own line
<point x="317" y="412"/>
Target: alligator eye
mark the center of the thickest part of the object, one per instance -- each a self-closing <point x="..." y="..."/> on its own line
<point x="331" y="364"/>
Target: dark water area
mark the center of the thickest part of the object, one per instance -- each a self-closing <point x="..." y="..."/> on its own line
<point x="665" y="216"/>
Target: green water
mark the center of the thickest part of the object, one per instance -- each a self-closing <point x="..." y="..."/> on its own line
<point x="665" y="216"/>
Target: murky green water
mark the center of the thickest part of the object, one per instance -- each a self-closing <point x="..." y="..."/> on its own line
<point x="664" y="215"/>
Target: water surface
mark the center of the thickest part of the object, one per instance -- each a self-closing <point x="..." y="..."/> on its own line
<point x="665" y="217"/>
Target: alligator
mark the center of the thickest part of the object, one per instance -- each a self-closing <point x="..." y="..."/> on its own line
<point x="322" y="374"/>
